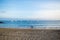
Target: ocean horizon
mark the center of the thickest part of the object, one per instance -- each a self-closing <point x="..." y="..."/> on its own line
<point x="29" y="23"/>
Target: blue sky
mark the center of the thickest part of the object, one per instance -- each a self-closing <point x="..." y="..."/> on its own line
<point x="30" y="9"/>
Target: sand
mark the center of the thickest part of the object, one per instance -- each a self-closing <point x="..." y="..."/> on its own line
<point x="29" y="34"/>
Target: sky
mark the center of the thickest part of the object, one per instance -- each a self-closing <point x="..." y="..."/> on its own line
<point x="30" y="9"/>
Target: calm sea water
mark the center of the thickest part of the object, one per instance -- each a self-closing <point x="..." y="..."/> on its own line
<point x="29" y="23"/>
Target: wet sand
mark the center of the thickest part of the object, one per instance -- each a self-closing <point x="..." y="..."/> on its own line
<point x="29" y="34"/>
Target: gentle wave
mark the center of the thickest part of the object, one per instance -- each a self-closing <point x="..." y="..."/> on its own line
<point x="29" y="24"/>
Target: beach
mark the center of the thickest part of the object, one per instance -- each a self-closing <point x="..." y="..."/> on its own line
<point x="29" y="34"/>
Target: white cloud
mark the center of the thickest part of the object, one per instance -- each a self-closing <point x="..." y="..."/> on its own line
<point x="47" y="14"/>
<point x="47" y="5"/>
<point x="41" y="14"/>
<point x="49" y="11"/>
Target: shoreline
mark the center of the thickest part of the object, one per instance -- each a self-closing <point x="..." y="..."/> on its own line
<point x="28" y="29"/>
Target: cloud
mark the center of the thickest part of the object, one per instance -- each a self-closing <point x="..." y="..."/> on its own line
<point x="36" y="10"/>
<point x="47" y="10"/>
<point x="47" y="14"/>
<point x="47" y="5"/>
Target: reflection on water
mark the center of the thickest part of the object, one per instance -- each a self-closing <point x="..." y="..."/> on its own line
<point x="29" y="23"/>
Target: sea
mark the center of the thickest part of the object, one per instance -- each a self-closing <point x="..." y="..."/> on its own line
<point x="26" y="24"/>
